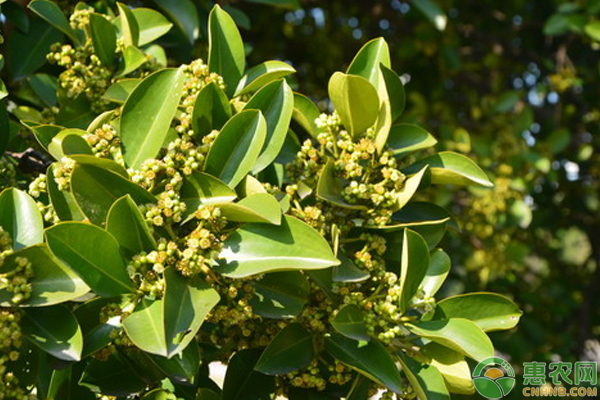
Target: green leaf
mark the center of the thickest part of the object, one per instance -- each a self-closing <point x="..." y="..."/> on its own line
<point x="242" y="382"/>
<point x="104" y="38"/>
<point x="237" y="147"/>
<point x="96" y="189"/>
<point x="439" y="267"/>
<point x="411" y="184"/>
<point x="406" y="138"/>
<point x="280" y="294"/>
<point x="183" y="367"/>
<point x="20" y="218"/>
<point x="370" y="359"/>
<point x="184" y="15"/>
<point x="127" y="224"/>
<point x="55" y="330"/>
<point x="165" y="327"/>
<point x="432" y="12"/>
<point x="187" y="302"/>
<point x="14" y="13"/>
<point x="355" y="100"/>
<point x="330" y="188"/>
<point x="151" y="23"/>
<point x="93" y="254"/>
<point x="413" y="267"/>
<point x="50" y="12"/>
<point x="103" y="163"/>
<point x="453" y="368"/>
<point x="133" y="58"/>
<point x="592" y="29"/>
<point x="291" y="349"/>
<point x="395" y="91"/>
<point x="204" y="189"/>
<point x="69" y="142"/>
<point x="147" y="115"/>
<point x="52" y="283"/>
<point x="145" y="327"/>
<point x="112" y="377"/>
<point x="261" y="75"/>
<point x="452" y="168"/>
<point x="211" y="110"/>
<point x="226" y="54"/>
<point x="276" y="103"/>
<point x="489" y="311"/>
<point x="119" y="91"/>
<point x="426" y="380"/>
<point x="129" y="26"/>
<point x="305" y="114"/>
<point x="458" y="334"/>
<point x="260" y="207"/>
<point x="258" y="248"/>
<point x="63" y="201"/>
<point x="43" y="133"/>
<point x="368" y="59"/>
<point x="45" y="86"/>
<point x="347" y="271"/>
<point x="27" y="52"/>
<point x="350" y="322"/>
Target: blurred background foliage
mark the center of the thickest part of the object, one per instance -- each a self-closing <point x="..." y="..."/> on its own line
<point x="513" y="84"/>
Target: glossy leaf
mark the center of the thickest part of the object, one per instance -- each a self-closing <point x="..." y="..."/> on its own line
<point x="63" y="201"/>
<point x="147" y="115"/>
<point x="69" y="142"/>
<point x="26" y="53"/>
<point x="45" y="86"/>
<point x="439" y="267"/>
<point x="276" y="103"/>
<point x="52" y="282"/>
<point x="93" y="254"/>
<point x="370" y="359"/>
<point x="152" y="25"/>
<point x="395" y="91"/>
<point x="305" y="114"/>
<point x="145" y="327"/>
<point x="104" y="38"/>
<point x="50" y="12"/>
<point x="411" y="184"/>
<point x="355" y="100"/>
<point x="280" y="294"/>
<point x="184" y="15"/>
<point x="368" y="59"/>
<point x="129" y="26"/>
<point x="103" y="163"/>
<point x="242" y="382"/>
<point x="226" y="54"/>
<point x="458" y="334"/>
<point x="112" y="377"/>
<point x="489" y="311"/>
<point x="260" y="207"/>
<point x="406" y="138"/>
<point x="330" y="188"/>
<point x="452" y="168"/>
<point x="183" y="367"/>
<point x="119" y="91"/>
<point x="261" y="75"/>
<point x="204" y="189"/>
<point x="237" y="147"/>
<point x="187" y="302"/>
<point x="347" y="271"/>
<point x="133" y="58"/>
<point x="426" y="380"/>
<point x="452" y="366"/>
<point x="258" y="248"/>
<point x="350" y="322"/>
<point x="291" y="349"/>
<point x="413" y="267"/>
<point x="96" y="189"/>
<point x="20" y="218"/>
<point x="54" y="330"/>
<point x="158" y="394"/>
<point x="127" y="224"/>
<point x="211" y="110"/>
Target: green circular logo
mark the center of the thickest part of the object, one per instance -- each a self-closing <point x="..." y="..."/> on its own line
<point x="494" y="378"/>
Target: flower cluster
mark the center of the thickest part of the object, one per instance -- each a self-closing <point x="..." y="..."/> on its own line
<point x="8" y="173"/>
<point x="11" y="340"/>
<point x="105" y="142"/>
<point x="16" y="280"/>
